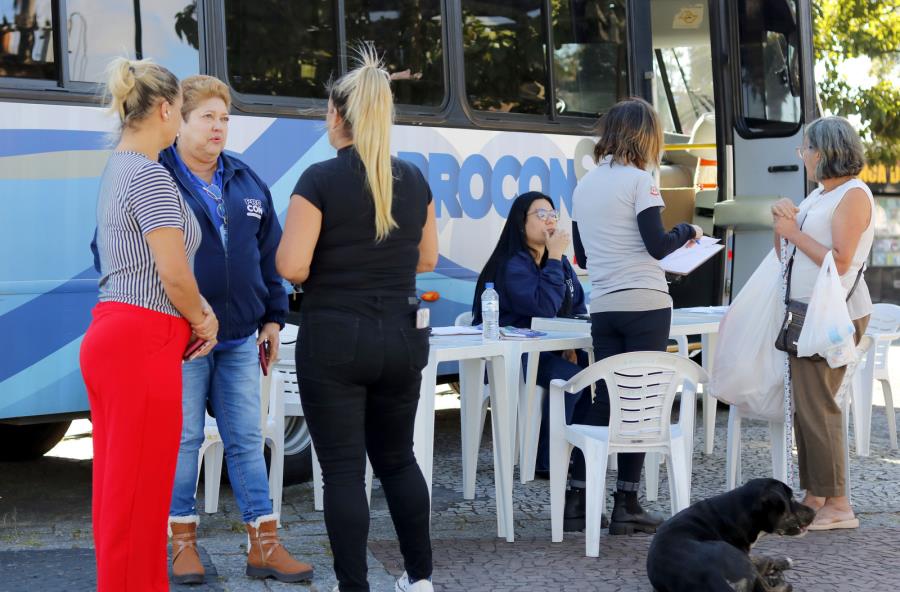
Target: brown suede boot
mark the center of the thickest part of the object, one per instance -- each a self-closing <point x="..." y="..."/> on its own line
<point x="186" y="565"/>
<point x="267" y="558"/>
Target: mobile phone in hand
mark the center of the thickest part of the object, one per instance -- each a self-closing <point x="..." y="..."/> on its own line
<point x="192" y="349"/>
<point x="264" y="357"/>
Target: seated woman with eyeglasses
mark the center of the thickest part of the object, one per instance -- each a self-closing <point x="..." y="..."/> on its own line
<point x="534" y="278"/>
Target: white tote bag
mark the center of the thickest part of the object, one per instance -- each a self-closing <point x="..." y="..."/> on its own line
<point x="748" y="371"/>
<point x="827" y="329"/>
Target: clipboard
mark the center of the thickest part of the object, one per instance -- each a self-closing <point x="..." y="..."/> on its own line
<point x="685" y="260"/>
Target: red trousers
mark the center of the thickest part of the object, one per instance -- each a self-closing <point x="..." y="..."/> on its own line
<point x="131" y="364"/>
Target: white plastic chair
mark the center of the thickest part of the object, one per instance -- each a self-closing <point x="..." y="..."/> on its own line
<point x="642" y="388"/>
<point x="777" y="437"/>
<point x="291" y="386"/>
<point x="272" y="426"/>
<point x="319" y="485"/>
<point x="653" y="460"/>
<point x="530" y="416"/>
<point x="884" y="328"/>
<point x="472" y="413"/>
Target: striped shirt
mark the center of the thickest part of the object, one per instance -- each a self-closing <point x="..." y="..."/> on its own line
<point x="137" y="196"/>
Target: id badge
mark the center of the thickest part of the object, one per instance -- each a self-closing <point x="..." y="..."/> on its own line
<point x="423" y="317"/>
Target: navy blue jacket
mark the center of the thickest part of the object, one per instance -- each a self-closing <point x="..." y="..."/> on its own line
<point x="528" y="291"/>
<point x="241" y="285"/>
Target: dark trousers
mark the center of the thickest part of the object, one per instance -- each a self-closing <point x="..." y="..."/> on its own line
<point x="618" y="333"/>
<point x="819" y="422"/>
<point x="359" y="368"/>
<point x="552" y="366"/>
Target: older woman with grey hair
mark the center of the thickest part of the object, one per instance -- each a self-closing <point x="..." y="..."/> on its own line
<point x="837" y="217"/>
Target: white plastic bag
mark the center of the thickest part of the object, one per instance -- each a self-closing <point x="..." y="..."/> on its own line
<point x="827" y="328"/>
<point x="748" y="371"/>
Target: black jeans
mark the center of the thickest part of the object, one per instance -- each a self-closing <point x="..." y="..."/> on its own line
<point x="359" y="364"/>
<point x="618" y="333"/>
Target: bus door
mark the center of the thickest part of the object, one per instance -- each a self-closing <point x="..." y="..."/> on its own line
<point x="763" y="76"/>
<point x="679" y="52"/>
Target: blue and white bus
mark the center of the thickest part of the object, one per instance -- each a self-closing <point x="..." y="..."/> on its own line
<point x="494" y="98"/>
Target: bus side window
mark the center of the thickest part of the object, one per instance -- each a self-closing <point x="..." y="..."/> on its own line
<point x="26" y="41"/>
<point x="408" y="35"/>
<point x="100" y="30"/>
<point x="506" y="56"/>
<point x="590" y="56"/>
<point x="505" y="63"/>
<point x="769" y="60"/>
<point x="277" y="48"/>
<point x="292" y="49"/>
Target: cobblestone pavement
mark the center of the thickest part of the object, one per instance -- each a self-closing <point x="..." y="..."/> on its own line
<point x="45" y="531"/>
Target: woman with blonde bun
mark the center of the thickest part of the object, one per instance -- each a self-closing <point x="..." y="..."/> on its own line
<point x="149" y="311"/>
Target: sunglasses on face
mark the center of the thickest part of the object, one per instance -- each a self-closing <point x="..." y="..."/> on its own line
<point x="544" y="214"/>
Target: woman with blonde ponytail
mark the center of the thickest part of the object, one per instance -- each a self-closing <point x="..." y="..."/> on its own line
<point x="149" y="309"/>
<point x="359" y="227"/>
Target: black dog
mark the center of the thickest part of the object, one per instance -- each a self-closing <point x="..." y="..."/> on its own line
<point x="707" y="546"/>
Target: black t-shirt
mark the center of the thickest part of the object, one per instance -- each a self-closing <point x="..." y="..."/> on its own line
<point x="347" y="258"/>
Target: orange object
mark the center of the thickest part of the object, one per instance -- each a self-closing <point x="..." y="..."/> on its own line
<point x="430" y="296"/>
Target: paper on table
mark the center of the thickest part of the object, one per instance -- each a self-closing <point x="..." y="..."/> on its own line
<point x="454" y="330"/>
<point x="685" y="260"/>
<point x="704" y="309"/>
<point x="713" y="310"/>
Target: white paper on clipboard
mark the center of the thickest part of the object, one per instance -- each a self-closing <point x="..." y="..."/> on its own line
<point x="685" y="260"/>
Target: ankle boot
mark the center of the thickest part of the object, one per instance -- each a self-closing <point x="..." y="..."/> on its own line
<point x="267" y="558"/>
<point x="628" y="517"/>
<point x="186" y="565"/>
<point x="575" y="511"/>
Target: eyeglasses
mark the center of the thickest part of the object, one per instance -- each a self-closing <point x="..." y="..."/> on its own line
<point x="545" y="214"/>
<point x="801" y="151"/>
<point x="214" y="192"/>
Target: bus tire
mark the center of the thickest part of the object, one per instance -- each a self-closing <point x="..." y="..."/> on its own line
<point x="29" y="442"/>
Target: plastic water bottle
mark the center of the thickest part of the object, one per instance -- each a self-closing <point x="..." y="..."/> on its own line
<point x="490" y="313"/>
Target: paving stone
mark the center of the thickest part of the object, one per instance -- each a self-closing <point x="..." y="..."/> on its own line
<point x="46" y="539"/>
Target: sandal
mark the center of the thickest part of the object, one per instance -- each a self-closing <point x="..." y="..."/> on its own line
<point x="839" y="524"/>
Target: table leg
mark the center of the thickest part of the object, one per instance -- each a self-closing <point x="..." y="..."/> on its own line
<point x="708" y="341"/>
<point x="423" y="435"/>
<point x="504" y="375"/>
<point x="471" y="403"/>
<point x="529" y="414"/>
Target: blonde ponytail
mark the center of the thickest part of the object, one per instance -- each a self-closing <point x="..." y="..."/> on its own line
<point x="136" y="86"/>
<point x="363" y="98"/>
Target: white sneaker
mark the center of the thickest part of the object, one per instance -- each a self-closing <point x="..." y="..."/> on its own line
<point x="403" y="585"/>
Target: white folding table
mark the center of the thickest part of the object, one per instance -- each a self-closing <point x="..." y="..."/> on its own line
<point x="469" y="350"/>
<point x="504" y="377"/>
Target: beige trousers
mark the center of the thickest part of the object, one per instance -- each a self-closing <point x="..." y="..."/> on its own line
<point x="818" y="423"/>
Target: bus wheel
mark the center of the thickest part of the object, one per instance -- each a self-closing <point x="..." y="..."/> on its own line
<point x="28" y="442"/>
<point x="297" y="451"/>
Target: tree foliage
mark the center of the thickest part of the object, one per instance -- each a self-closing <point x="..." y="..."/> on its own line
<point x="847" y="29"/>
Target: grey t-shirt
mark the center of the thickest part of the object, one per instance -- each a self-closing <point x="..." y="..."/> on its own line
<point x="606" y="203"/>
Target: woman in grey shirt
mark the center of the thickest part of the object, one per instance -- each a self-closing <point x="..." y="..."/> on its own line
<point x="617" y="212"/>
